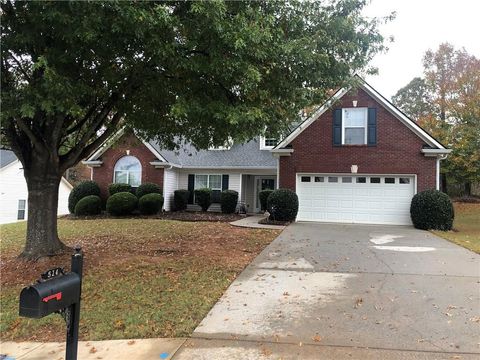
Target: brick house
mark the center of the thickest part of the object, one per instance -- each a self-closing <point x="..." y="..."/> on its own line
<point x="357" y="159"/>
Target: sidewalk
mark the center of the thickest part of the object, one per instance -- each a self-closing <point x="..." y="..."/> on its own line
<point x="141" y="349"/>
<point x="252" y="222"/>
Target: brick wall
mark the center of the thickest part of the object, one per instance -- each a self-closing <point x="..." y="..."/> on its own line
<point x="103" y="175"/>
<point x="398" y="149"/>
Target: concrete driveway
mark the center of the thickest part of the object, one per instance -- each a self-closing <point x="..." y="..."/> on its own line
<point x="348" y="291"/>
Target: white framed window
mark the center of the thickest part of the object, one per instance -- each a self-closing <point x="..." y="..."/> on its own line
<point x="267" y="143"/>
<point x="128" y="170"/>
<point x="212" y="181"/>
<point x="354" y="126"/>
<point x="21" y="209"/>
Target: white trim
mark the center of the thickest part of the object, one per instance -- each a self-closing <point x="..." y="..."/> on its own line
<point x="92" y="163"/>
<point x="365" y="124"/>
<point x="229" y="167"/>
<point x="154" y="151"/>
<point x="435" y="152"/>
<point x="12" y="163"/>
<point x="281" y="152"/>
<point x="161" y="164"/>
<point x="262" y="143"/>
<point x="127" y="171"/>
<point x="305" y="124"/>
<point x="208" y="181"/>
<point x="372" y="92"/>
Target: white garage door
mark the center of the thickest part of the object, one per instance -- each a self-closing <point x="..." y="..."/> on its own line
<point x="369" y="199"/>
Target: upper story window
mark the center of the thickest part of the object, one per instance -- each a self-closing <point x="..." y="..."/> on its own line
<point x="128" y="170"/>
<point x="354" y="126"/>
<point x="267" y="143"/>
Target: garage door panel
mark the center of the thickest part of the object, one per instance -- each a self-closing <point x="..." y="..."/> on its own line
<point x="352" y="202"/>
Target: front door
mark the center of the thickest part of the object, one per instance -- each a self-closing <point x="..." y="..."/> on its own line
<point x="262" y="183"/>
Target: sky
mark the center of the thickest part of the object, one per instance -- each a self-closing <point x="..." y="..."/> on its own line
<point x="420" y="25"/>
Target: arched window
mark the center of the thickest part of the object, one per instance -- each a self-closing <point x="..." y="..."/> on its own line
<point x="128" y="170"/>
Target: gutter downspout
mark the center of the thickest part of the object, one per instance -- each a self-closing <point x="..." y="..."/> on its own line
<point x="437" y="180"/>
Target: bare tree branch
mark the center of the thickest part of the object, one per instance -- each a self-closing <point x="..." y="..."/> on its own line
<point x="31" y="136"/>
<point x="20" y="66"/>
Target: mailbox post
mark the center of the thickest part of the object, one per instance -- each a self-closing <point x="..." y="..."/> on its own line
<point x="57" y="292"/>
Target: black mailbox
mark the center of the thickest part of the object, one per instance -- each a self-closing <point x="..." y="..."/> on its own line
<point x="52" y="295"/>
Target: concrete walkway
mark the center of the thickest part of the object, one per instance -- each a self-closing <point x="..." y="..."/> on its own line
<point x="333" y="291"/>
<point x="252" y="222"/>
<point x="139" y="349"/>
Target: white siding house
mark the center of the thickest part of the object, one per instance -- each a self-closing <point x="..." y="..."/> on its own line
<point x="14" y="193"/>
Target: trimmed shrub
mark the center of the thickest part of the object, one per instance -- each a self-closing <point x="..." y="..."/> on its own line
<point x="282" y="204"/>
<point x="203" y="198"/>
<point x="122" y="203"/>
<point x="263" y="196"/>
<point x="432" y="210"/>
<point x="150" y="204"/>
<point x="84" y="188"/>
<point x="118" y="188"/>
<point x="148" y="188"/>
<point x="89" y="205"/>
<point x="228" y="201"/>
<point x="180" y="199"/>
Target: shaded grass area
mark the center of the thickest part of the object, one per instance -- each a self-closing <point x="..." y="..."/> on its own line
<point x="143" y="278"/>
<point x="466" y="226"/>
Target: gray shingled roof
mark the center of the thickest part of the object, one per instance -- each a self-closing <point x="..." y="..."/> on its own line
<point x="239" y="155"/>
<point x="6" y="157"/>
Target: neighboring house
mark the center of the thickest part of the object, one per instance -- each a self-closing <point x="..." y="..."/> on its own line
<point x="357" y="159"/>
<point x="14" y="193"/>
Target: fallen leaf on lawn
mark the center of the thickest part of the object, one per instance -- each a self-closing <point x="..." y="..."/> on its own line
<point x="300" y="343"/>
<point x="93" y="350"/>
<point x="286" y="293"/>
<point x="317" y="338"/>
<point x="475" y="319"/>
<point x="131" y="342"/>
<point x="449" y="307"/>
<point x="358" y="302"/>
<point x="420" y="340"/>
<point x="448" y="314"/>
<point x="266" y="351"/>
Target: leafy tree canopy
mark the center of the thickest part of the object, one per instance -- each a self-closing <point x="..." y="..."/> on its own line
<point x="446" y="102"/>
<point x="73" y="72"/>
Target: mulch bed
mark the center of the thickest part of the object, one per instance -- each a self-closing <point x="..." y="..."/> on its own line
<point x="267" y="221"/>
<point x="168" y="215"/>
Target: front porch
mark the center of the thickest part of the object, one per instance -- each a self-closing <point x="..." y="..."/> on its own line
<point x="248" y="186"/>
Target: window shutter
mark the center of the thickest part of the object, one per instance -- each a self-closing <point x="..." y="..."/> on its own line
<point x="337" y="127"/>
<point x="372" y="127"/>
<point x="191" y="187"/>
<point x="224" y="182"/>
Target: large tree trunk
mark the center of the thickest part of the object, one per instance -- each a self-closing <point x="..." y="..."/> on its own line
<point x="42" y="236"/>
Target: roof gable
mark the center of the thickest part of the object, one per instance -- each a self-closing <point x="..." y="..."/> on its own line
<point x="409" y="123"/>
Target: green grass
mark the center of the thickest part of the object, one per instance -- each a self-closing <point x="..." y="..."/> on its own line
<point x="466" y="227"/>
<point x="130" y="290"/>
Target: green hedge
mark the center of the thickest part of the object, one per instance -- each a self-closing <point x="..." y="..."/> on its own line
<point x="148" y="188"/>
<point x="83" y="189"/>
<point x="180" y="199"/>
<point x="203" y="198"/>
<point x="118" y="188"/>
<point x="150" y="204"/>
<point x="122" y="203"/>
<point x="282" y="204"/>
<point x="228" y="201"/>
<point x="89" y="205"/>
<point x="263" y="196"/>
<point x="432" y="210"/>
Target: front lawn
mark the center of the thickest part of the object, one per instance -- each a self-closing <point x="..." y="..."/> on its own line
<point x="466" y="226"/>
<point x="143" y="277"/>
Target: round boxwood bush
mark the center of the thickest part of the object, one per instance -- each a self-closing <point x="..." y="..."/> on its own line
<point x="148" y="188"/>
<point x="228" y="201"/>
<point x="150" y="204"/>
<point x="432" y="210"/>
<point x="89" y="205"/>
<point x="263" y="196"/>
<point x="180" y="199"/>
<point x="118" y="188"/>
<point x="203" y="198"/>
<point x="122" y="203"/>
<point x="282" y="204"/>
<point x="84" y="188"/>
